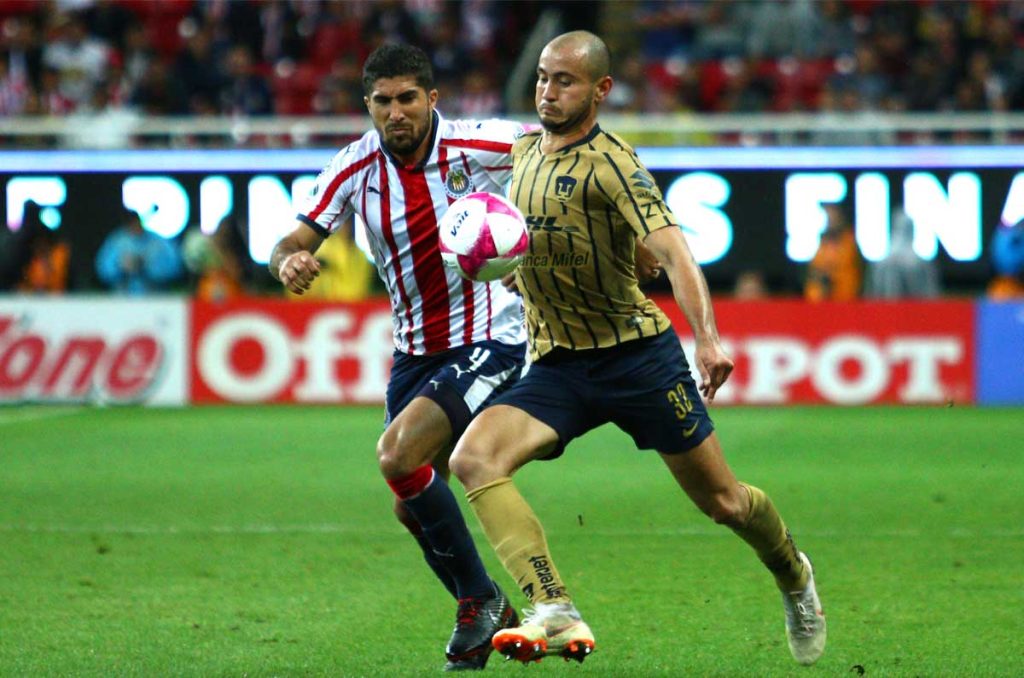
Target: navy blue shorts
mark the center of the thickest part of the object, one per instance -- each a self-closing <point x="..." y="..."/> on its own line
<point x="462" y="381"/>
<point x="643" y="386"/>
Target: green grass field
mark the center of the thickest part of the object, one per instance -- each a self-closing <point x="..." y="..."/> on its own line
<point x="259" y="542"/>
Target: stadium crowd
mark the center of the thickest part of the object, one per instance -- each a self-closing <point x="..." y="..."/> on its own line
<point x="98" y="63"/>
<point x="303" y="57"/>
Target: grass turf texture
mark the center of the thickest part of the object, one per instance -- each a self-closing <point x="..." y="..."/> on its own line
<point x="259" y="541"/>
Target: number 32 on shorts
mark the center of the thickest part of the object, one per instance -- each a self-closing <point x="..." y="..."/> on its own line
<point x="683" y="406"/>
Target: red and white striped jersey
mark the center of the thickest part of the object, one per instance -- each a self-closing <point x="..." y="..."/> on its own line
<point x="433" y="308"/>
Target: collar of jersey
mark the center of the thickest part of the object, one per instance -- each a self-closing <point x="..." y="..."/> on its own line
<point x="585" y="140"/>
<point x="435" y="125"/>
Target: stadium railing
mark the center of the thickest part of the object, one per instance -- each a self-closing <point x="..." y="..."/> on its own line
<point x="678" y="129"/>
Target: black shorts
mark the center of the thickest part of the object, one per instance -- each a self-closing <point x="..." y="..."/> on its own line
<point x="462" y="381"/>
<point x="643" y="386"/>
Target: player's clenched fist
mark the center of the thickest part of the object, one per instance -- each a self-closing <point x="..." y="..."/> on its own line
<point x="298" y="270"/>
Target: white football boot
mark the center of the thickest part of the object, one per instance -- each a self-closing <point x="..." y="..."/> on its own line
<point x="550" y="629"/>
<point x="805" y="620"/>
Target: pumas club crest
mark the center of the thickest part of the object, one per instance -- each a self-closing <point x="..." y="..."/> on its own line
<point x="458" y="184"/>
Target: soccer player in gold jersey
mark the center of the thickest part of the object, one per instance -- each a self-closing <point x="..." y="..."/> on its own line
<point x="603" y="352"/>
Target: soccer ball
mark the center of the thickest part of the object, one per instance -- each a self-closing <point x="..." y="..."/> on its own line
<point x="483" y="237"/>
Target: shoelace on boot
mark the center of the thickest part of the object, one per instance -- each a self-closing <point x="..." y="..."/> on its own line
<point x="469" y="609"/>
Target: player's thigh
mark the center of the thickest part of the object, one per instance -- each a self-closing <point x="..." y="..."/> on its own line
<point x="498" y="442"/>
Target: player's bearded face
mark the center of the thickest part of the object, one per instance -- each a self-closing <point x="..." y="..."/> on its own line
<point x="401" y="112"/>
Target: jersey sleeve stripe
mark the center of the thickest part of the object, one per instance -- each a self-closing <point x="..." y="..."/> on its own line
<point x="479" y="145"/>
<point x="337" y="181"/>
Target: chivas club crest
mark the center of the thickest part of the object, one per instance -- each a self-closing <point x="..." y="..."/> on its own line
<point x="458" y="184"/>
<point x="564" y="186"/>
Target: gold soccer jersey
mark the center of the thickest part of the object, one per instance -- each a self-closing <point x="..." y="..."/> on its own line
<point x="585" y="205"/>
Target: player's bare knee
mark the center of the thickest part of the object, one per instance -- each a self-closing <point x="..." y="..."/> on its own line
<point x="462" y="463"/>
<point x="394" y="461"/>
<point x="470" y="465"/>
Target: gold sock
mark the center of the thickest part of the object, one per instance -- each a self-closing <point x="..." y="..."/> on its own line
<point x="518" y="539"/>
<point x="765" y="531"/>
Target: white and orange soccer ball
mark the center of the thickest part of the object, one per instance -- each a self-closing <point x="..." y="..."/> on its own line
<point x="483" y="236"/>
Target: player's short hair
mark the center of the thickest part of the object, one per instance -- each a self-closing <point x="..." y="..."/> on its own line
<point x="392" y="61"/>
<point x="597" y="56"/>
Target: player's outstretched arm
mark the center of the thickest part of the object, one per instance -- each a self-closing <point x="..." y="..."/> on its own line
<point x="691" y="293"/>
<point x="292" y="261"/>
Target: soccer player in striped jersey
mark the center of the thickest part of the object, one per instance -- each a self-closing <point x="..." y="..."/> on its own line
<point x="458" y="343"/>
<point x="603" y="352"/>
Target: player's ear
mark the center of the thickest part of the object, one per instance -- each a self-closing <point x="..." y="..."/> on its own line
<point x="366" y="102"/>
<point x="601" y="88"/>
<point x="432" y="98"/>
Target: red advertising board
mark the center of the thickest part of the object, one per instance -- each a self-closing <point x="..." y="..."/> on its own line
<point x="844" y="353"/>
<point x="94" y="350"/>
<point x="785" y="351"/>
<point x="262" y="350"/>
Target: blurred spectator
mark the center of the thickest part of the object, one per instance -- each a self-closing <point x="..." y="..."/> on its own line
<point x="33" y="258"/>
<point x="280" y="39"/>
<point x="871" y="84"/>
<point x="448" y="55"/>
<point x="212" y="259"/>
<point x="14" y="91"/>
<point x="668" y="28"/>
<point x="194" y="71"/>
<point x="21" y="51"/>
<point x="157" y="92"/>
<point x="1007" y="252"/>
<point x="678" y="55"/>
<point x="245" y="91"/>
<point x="102" y="123"/>
<point x="46" y="271"/>
<point x="477" y="97"/>
<point x="833" y="30"/>
<point x="748" y="89"/>
<point x="834" y="274"/>
<point x="783" y="27"/>
<point x="721" y="34"/>
<point x="50" y="100"/>
<point x="134" y="57"/>
<point x="341" y="90"/>
<point x="110" y="21"/>
<point x="79" y="59"/>
<point x="391" y="21"/>
<point x="902" y="273"/>
<point x="837" y="104"/>
<point x="135" y="261"/>
<point x="750" y="285"/>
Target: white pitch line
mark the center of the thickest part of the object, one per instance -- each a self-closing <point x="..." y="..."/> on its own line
<point x="338" y="528"/>
<point x="20" y="414"/>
